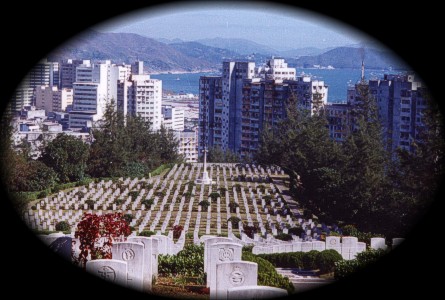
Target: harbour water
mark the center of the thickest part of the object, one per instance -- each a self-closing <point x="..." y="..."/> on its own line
<point x="337" y="80"/>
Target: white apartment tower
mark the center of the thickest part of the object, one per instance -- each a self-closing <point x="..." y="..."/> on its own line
<point x="172" y="117"/>
<point x="95" y="86"/>
<point x="141" y="96"/>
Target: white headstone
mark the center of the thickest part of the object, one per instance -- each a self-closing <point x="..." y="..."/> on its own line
<point x="221" y="252"/>
<point x="208" y="241"/>
<point x="109" y="269"/>
<point x="361" y="247"/>
<point x="148" y="259"/>
<point x="306" y="246"/>
<point x="233" y="274"/>
<point x="133" y="255"/>
<point x="319" y="245"/>
<point x="349" y="247"/>
<point x="378" y="243"/>
<point x="333" y="242"/>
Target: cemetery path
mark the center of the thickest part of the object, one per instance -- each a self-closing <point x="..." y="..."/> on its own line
<point x="303" y="280"/>
<point x="284" y="191"/>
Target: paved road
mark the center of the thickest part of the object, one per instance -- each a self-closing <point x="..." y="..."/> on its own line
<point x="303" y="281"/>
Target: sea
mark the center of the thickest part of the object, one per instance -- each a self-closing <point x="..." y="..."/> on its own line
<point x="337" y="80"/>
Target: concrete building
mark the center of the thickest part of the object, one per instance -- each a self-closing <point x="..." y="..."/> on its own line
<point x="235" y="107"/>
<point x="141" y="96"/>
<point x="68" y="71"/>
<point x="22" y="97"/>
<point x="43" y="73"/>
<point x="137" y="68"/>
<point x="210" y="122"/>
<point x="52" y="99"/>
<point x="400" y="105"/>
<point x="188" y="145"/>
<point x="172" y="117"/>
<point x="232" y="87"/>
<point x="95" y="86"/>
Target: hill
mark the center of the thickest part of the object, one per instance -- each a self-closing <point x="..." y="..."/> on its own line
<point x="350" y="57"/>
<point x="128" y="47"/>
<point x="241" y="46"/>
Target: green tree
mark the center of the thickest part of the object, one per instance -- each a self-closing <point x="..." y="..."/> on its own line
<point x="127" y="146"/>
<point x="416" y="175"/>
<point x="365" y="166"/>
<point x="217" y="155"/>
<point x="68" y="156"/>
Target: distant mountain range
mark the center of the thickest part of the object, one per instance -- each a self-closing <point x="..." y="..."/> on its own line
<point x="164" y="55"/>
<point x="350" y="57"/>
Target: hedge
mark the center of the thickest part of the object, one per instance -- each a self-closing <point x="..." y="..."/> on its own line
<point x="345" y="268"/>
<point x="267" y="275"/>
<point x="312" y="260"/>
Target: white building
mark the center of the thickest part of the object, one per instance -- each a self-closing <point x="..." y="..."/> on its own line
<point x="53" y="99"/>
<point x="95" y="86"/>
<point x="141" y="96"/>
<point x="172" y="117"/>
<point x="188" y="145"/>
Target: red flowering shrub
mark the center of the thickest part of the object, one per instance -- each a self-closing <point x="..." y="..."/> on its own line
<point x="97" y="233"/>
<point x="177" y="229"/>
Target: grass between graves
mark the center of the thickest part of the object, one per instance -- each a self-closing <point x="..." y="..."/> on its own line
<point x="169" y="287"/>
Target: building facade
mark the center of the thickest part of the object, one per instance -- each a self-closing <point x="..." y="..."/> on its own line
<point x="400" y="103"/>
<point x="95" y="86"/>
<point x="172" y="117"/>
<point x="52" y="99"/>
<point x="141" y="96"/>
<point x="188" y="145"/>
<point x="235" y="107"/>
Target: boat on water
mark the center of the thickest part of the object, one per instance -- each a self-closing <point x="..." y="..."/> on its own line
<point x="177" y="78"/>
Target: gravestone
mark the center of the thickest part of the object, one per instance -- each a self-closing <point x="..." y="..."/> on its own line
<point x="109" y="269"/>
<point x="221" y="252"/>
<point x="319" y="245"/>
<point x="163" y="243"/>
<point x="349" y="247"/>
<point x="231" y="274"/>
<point x="306" y="246"/>
<point x="149" y="258"/>
<point x="378" y="243"/>
<point x="361" y="247"/>
<point x="133" y="255"/>
<point x="255" y="292"/>
<point x="397" y="241"/>
<point x="333" y="242"/>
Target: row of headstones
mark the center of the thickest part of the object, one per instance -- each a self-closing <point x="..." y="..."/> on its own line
<point x="228" y="276"/>
<point x="74" y="220"/>
<point x="134" y="263"/>
<point x="348" y="247"/>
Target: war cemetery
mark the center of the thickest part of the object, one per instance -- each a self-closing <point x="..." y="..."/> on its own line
<point x="215" y="231"/>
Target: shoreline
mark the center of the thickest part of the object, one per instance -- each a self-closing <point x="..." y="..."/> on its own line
<point x="183" y="72"/>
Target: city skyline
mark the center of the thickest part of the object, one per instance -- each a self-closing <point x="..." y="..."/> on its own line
<point x="269" y="25"/>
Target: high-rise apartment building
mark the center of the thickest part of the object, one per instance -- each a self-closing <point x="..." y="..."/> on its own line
<point x="141" y="96"/>
<point x="235" y="106"/>
<point x="43" y="73"/>
<point x="400" y="103"/>
<point x="95" y="86"/>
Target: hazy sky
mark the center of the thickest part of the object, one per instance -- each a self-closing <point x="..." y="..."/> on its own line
<point x="265" y="24"/>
